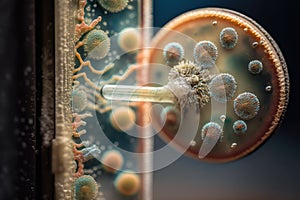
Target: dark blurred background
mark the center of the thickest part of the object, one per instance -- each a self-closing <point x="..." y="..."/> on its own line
<point x="271" y="172"/>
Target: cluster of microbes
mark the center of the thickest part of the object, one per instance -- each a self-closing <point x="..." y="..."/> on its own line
<point x="201" y="85"/>
<point x="217" y="70"/>
<point x="98" y="22"/>
<point x="231" y="71"/>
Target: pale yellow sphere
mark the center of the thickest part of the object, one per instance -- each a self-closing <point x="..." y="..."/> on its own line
<point x="128" y="183"/>
<point x="112" y="161"/>
<point x="122" y="118"/>
<point x="129" y="39"/>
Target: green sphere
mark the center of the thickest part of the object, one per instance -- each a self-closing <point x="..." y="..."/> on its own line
<point x="96" y="44"/>
<point x="113" y="6"/>
<point x="86" y="188"/>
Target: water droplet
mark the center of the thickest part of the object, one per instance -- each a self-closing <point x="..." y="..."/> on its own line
<point x="193" y="143"/>
<point x="254" y="44"/>
<point x="130" y="7"/>
<point x="233" y="145"/>
<point x="223" y="118"/>
<point x="214" y="23"/>
<point x="268" y="88"/>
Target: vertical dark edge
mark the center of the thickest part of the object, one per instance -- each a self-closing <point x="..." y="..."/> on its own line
<point x="46" y="101"/>
<point x="26" y="102"/>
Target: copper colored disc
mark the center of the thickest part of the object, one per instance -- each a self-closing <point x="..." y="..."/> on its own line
<point x="262" y="87"/>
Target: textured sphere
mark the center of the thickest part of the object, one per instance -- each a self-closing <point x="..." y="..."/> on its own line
<point x="113" y="6"/>
<point x="255" y="67"/>
<point x="127" y="183"/>
<point x="222" y="87"/>
<point x="211" y="130"/>
<point x="112" y="161"/>
<point x="79" y="100"/>
<point x="173" y="52"/>
<point x="246" y="106"/>
<point x="86" y="188"/>
<point x="123" y="118"/>
<point x="239" y="127"/>
<point x="205" y="54"/>
<point x="96" y="44"/>
<point x="228" y="38"/>
<point x="190" y="84"/>
<point x="129" y="39"/>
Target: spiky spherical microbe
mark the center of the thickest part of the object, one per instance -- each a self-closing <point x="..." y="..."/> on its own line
<point x="239" y="127"/>
<point x="79" y="100"/>
<point x="211" y="130"/>
<point x="255" y="66"/>
<point x="246" y="106"/>
<point x="86" y="188"/>
<point x="113" y="5"/>
<point x="222" y="87"/>
<point x="228" y="38"/>
<point x="205" y="54"/>
<point x="190" y="83"/>
<point x="96" y="44"/>
<point x="173" y="52"/>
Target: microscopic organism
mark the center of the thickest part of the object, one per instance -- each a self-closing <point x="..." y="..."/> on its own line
<point x="129" y="39"/>
<point x="246" y="106"/>
<point x="222" y="87"/>
<point x="79" y="100"/>
<point x="173" y="53"/>
<point x="112" y="161"/>
<point x="190" y="84"/>
<point x="113" y="6"/>
<point x="255" y="66"/>
<point x="122" y="118"/>
<point x="228" y="38"/>
<point x="127" y="183"/>
<point x="97" y="44"/>
<point x="85" y="188"/>
<point x="205" y="54"/>
<point x="239" y="127"/>
<point x="211" y="130"/>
